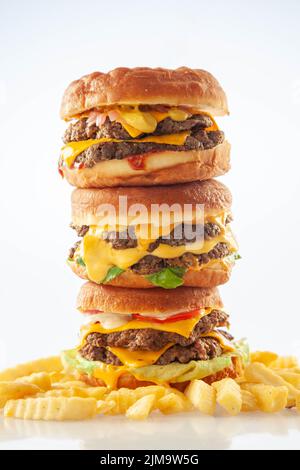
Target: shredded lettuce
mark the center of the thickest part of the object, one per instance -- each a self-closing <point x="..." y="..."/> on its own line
<point x="174" y="372"/>
<point x="168" y="278"/>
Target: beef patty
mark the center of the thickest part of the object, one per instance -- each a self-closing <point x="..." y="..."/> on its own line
<point x="181" y="235"/>
<point x="198" y="140"/>
<point x="81" y="130"/>
<point x="203" y="349"/>
<point x="153" y="264"/>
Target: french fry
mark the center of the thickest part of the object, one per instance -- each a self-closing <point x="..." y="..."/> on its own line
<point x="104" y="406"/>
<point x="284" y="362"/>
<point x="229" y="395"/>
<point x="141" y="408"/>
<point x="14" y="390"/>
<point x="259" y="373"/>
<point x="51" y="409"/>
<point x="48" y="364"/>
<point x="202" y="396"/>
<point x="125" y="397"/>
<point x="270" y="398"/>
<point x="173" y="403"/>
<point x="88" y="392"/>
<point x="291" y="377"/>
<point x="60" y="377"/>
<point x="70" y="384"/>
<point x="298" y="403"/>
<point x="41" y="379"/>
<point x="265" y="357"/>
<point x="249" y="402"/>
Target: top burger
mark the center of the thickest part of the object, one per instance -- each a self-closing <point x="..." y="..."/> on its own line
<point x="143" y="126"/>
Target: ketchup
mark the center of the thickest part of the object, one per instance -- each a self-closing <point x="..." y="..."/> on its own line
<point x="137" y="162"/>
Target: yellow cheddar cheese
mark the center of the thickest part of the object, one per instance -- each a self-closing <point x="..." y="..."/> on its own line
<point x="138" y="358"/>
<point x="181" y="327"/>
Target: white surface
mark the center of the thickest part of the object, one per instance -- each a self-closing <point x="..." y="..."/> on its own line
<point x="189" y="431"/>
<point x="253" y="49"/>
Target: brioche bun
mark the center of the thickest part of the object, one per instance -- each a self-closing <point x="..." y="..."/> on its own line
<point x="214" y="195"/>
<point x="165" y="167"/>
<point x="143" y="85"/>
<point x="207" y="276"/>
<point x="127" y="301"/>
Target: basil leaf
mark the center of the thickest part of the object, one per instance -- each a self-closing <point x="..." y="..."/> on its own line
<point x="80" y="261"/>
<point x="112" y="273"/>
<point x="168" y="278"/>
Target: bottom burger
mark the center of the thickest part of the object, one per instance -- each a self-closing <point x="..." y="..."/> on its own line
<point x="138" y="337"/>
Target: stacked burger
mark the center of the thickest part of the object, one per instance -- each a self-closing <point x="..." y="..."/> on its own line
<point x="155" y="240"/>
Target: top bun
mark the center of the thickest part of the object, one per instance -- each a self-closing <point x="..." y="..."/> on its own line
<point x="143" y="85"/>
<point x="127" y="301"/>
<point x="86" y="203"/>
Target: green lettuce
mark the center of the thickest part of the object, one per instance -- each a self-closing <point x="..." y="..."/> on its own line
<point x="113" y="272"/>
<point x="80" y="261"/>
<point x="174" y="372"/>
<point x="168" y="278"/>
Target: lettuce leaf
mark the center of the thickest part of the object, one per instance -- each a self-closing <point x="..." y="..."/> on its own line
<point x="168" y="278"/>
<point x="113" y="272"/>
<point x="80" y="261"/>
<point x="174" y="372"/>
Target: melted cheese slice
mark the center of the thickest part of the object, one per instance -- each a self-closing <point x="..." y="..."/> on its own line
<point x="227" y="345"/>
<point x="99" y="256"/>
<point x="182" y="327"/>
<point x="70" y="151"/>
<point x="138" y="358"/>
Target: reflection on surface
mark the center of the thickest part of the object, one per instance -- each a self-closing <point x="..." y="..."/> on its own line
<point x="188" y="431"/>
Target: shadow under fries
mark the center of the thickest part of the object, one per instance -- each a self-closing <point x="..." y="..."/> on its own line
<point x="195" y="431"/>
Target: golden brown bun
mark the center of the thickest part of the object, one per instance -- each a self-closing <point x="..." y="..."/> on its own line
<point x="143" y="85"/>
<point x="123" y="300"/>
<point x="129" y="381"/>
<point x="206" y="164"/>
<point x="214" y="195"/>
<point x="206" y="277"/>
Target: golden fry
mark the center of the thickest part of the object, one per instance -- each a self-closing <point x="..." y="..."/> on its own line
<point x="202" y="396"/>
<point x="48" y="364"/>
<point x="41" y="379"/>
<point x="173" y="403"/>
<point x="270" y="398"/>
<point x="229" y="395"/>
<point x="265" y="357"/>
<point x="285" y="362"/>
<point x="51" y="409"/>
<point x="249" y="402"/>
<point x="141" y="408"/>
<point x="259" y="373"/>
<point x="14" y="390"/>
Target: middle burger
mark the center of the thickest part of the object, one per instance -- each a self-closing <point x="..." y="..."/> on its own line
<point x="166" y="237"/>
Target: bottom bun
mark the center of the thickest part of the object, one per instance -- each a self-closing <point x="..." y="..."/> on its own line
<point x="214" y="274"/>
<point x="129" y="381"/>
<point x="163" y="168"/>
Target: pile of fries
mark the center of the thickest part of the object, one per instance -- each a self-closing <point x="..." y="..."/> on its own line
<point x="41" y="390"/>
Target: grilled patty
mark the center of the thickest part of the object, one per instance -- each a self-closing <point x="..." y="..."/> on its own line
<point x="181" y="235"/>
<point x="148" y="339"/>
<point x="202" y="349"/>
<point x="80" y="130"/>
<point x="152" y="264"/>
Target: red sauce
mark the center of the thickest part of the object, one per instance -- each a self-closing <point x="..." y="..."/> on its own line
<point x="60" y="172"/>
<point x="78" y="166"/>
<point x="137" y="162"/>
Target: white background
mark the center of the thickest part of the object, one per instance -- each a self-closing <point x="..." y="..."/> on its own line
<point x="252" y="48"/>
